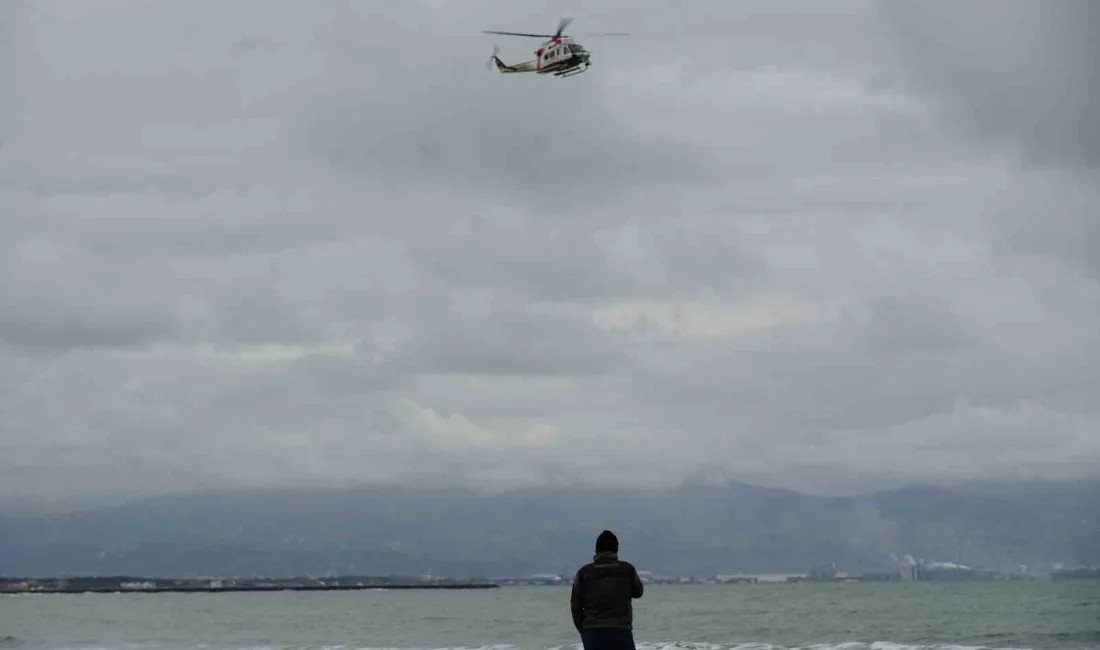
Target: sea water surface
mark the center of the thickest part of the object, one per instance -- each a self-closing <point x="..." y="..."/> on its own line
<point x="1038" y="615"/>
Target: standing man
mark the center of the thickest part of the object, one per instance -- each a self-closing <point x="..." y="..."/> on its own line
<point x="601" y="600"/>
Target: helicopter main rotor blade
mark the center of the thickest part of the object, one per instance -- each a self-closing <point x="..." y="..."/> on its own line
<point x="518" y="34"/>
<point x="562" y="24"/>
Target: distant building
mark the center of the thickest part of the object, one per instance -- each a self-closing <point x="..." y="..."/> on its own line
<point x="1081" y="573"/>
<point x="950" y="571"/>
<point x="736" y="579"/>
<point x="138" y="586"/>
<point x="880" y="576"/>
<point x="823" y="573"/>
<point x="542" y="579"/>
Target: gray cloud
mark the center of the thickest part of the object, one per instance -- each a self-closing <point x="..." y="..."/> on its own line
<point x="320" y="244"/>
<point x="9" y="49"/>
<point x="526" y="137"/>
<point x="522" y="345"/>
<point x="1014" y="73"/>
<point x="55" y="295"/>
<point x="68" y="328"/>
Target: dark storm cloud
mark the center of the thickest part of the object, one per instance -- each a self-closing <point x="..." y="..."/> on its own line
<point x="1011" y="72"/>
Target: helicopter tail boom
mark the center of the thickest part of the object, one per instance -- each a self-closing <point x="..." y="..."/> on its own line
<point x="526" y="66"/>
<point x="502" y="66"/>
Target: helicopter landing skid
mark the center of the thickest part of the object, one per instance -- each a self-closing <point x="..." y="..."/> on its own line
<point x="572" y="72"/>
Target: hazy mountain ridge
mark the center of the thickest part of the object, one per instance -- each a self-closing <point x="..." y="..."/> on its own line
<point x="697" y="530"/>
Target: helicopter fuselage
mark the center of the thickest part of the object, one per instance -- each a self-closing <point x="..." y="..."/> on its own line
<point x="559" y="56"/>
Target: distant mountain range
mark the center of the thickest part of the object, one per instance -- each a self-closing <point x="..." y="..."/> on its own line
<point x="693" y="530"/>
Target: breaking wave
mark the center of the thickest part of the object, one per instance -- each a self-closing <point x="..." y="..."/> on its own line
<point x="675" y="645"/>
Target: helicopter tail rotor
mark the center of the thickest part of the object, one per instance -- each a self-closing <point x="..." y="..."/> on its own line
<point x="493" y="58"/>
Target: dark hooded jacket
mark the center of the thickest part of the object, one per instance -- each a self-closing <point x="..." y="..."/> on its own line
<point x="602" y="593"/>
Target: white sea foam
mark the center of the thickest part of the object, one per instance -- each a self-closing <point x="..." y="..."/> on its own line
<point x="641" y="645"/>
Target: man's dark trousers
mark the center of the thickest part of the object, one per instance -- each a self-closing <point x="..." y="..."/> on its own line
<point x="607" y="639"/>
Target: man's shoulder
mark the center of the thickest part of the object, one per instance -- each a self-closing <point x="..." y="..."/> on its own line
<point x="615" y="565"/>
<point x="624" y="563"/>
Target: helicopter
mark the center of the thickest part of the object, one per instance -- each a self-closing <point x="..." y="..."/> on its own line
<point x="558" y="55"/>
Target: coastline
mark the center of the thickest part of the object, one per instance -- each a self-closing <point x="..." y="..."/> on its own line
<point x="253" y="588"/>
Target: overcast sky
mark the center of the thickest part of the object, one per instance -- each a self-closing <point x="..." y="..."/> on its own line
<point x="829" y="246"/>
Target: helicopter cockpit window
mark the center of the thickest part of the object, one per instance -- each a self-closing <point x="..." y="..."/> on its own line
<point x="576" y="48"/>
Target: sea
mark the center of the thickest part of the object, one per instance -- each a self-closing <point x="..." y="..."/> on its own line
<point x="854" y="616"/>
